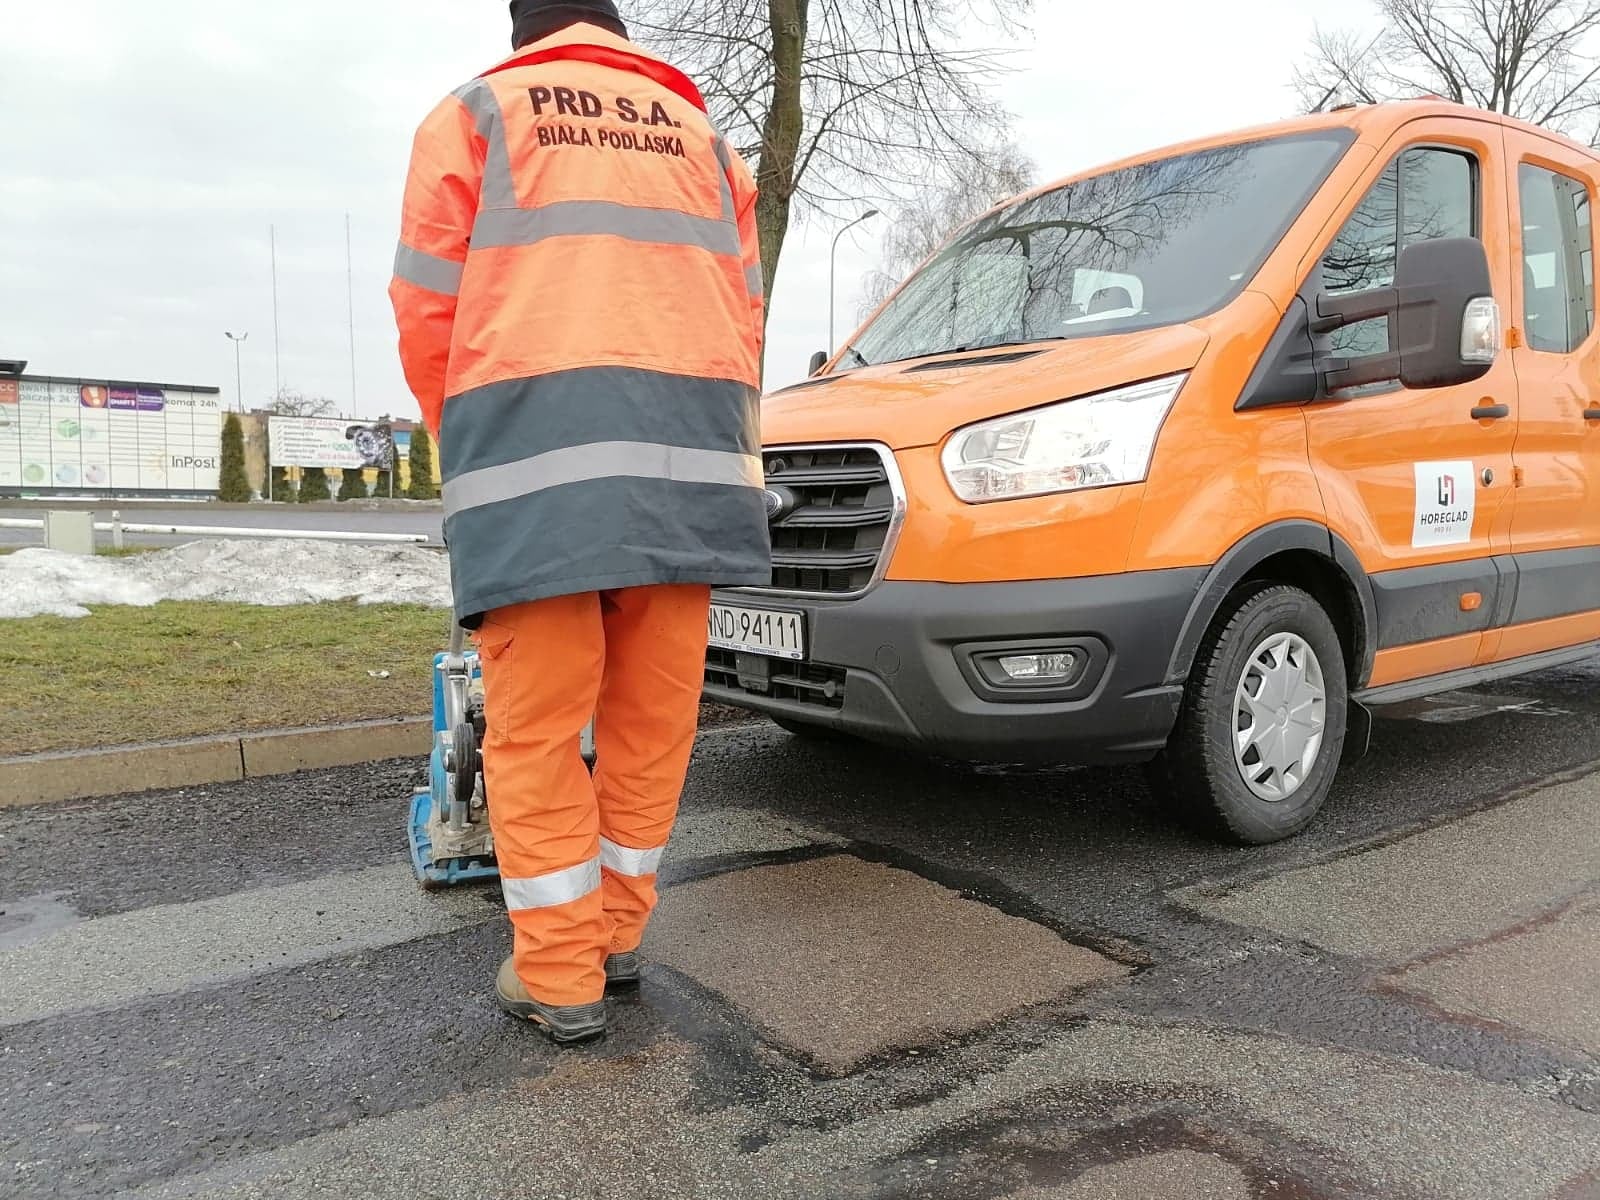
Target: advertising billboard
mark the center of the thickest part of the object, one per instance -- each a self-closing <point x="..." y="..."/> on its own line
<point x="69" y="436"/>
<point x="329" y="442"/>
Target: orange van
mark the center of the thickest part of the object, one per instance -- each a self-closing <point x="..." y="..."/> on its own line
<point x="1195" y="459"/>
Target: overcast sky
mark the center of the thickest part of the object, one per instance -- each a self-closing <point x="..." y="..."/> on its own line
<point x="149" y="147"/>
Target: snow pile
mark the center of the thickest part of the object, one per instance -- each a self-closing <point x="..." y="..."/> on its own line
<point x="45" y="582"/>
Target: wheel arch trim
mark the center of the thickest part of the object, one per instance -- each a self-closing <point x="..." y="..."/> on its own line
<point x="1245" y="556"/>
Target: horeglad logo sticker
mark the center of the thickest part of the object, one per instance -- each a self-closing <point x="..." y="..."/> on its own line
<point x="1446" y="503"/>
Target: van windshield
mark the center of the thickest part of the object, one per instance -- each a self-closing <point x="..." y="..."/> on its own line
<point x="1155" y="244"/>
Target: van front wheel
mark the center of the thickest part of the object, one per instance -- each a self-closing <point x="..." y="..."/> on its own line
<point x="1262" y="727"/>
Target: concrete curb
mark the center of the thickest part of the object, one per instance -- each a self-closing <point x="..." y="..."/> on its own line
<point x="225" y="758"/>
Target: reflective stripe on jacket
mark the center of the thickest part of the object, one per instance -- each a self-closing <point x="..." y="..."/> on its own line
<point x="578" y="292"/>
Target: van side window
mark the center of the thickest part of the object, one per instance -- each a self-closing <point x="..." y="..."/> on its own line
<point x="1424" y="194"/>
<point x="1557" y="260"/>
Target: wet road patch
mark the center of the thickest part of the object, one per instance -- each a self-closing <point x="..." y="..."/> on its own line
<point x="156" y="951"/>
<point x="840" y="960"/>
<point x="1443" y="887"/>
<point x="1453" y="708"/>
<point x="1174" y="1175"/>
<point x="1299" y="1121"/>
<point x="1180" y="1175"/>
<point x="25" y="920"/>
<point x="1543" y="977"/>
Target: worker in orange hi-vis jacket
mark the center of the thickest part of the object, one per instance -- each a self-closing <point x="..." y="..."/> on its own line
<point x="579" y="296"/>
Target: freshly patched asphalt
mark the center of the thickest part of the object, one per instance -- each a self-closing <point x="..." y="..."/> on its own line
<point x="873" y="976"/>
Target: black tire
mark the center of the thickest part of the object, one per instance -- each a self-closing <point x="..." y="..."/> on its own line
<point x="808" y="731"/>
<point x="1198" y="772"/>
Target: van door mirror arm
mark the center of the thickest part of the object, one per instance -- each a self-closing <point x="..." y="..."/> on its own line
<point x="1336" y="312"/>
<point x="1297" y="367"/>
<point x="1342" y="374"/>
<point x="1423" y="344"/>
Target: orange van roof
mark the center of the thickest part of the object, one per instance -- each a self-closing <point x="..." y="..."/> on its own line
<point x="1374" y="124"/>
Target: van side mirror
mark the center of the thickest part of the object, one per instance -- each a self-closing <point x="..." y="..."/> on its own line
<point x="1449" y="321"/>
<point x="1444" y="324"/>
<point x="818" y="361"/>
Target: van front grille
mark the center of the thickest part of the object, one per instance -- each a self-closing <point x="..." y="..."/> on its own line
<point x="814" y="684"/>
<point x="842" y="507"/>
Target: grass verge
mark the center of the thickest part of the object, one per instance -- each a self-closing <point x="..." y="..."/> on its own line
<point x="182" y="669"/>
<point x="185" y="669"/>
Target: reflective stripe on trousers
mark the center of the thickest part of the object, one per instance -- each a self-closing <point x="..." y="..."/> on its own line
<point x="545" y="665"/>
<point x="626" y="861"/>
<point x="558" y="887"/>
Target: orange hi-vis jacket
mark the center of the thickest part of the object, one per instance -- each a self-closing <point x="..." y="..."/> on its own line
<point x="579" y="296"/>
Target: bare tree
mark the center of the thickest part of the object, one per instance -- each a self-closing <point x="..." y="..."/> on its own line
<point x="923" y="223"/>
<point x="837" y="101"/>
<point x="291" y="402"/>
<point x="1527" y="58"/>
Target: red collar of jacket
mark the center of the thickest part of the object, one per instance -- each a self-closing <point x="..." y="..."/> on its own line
<point x="584" y="42"/>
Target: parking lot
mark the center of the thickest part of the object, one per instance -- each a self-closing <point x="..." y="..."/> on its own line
<point x="872" y="975"/>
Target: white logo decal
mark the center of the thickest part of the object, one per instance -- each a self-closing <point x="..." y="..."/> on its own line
<point x="1447" y="502"/>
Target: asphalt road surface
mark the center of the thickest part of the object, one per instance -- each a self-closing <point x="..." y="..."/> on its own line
<point x="871" y="976"/>
<point x="396" y="518"/>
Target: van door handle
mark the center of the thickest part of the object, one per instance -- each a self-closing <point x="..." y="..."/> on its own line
<point x="1592" y="415"/>
<point x="1491" y="412"/>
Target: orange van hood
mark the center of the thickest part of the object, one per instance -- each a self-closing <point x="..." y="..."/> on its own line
<point x="905" y="407"/>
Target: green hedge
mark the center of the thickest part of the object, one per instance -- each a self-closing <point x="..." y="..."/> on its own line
<point x="422" y="486"/>
<point x="314" y="486"/>
<point x="234" y="487"/>
<point x="354" y="484"/>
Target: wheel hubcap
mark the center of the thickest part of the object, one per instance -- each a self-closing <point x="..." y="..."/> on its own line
<point x="1280" y="713"/>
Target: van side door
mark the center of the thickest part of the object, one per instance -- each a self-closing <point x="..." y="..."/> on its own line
<point x="1555" y="531"/>
<point x="1419" y="481"/>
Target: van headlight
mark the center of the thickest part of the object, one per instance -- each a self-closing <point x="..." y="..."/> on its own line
<point x="1093" y="441"/>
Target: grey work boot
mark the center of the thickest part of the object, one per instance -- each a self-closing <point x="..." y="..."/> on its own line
<point x="622" y="970"/>
<point x="574" y="1023"/>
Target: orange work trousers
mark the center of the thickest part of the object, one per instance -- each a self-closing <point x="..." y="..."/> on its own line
<point x="578" y="854"/>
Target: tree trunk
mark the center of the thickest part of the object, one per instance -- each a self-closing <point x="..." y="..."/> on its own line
<point x="780" y="136"/>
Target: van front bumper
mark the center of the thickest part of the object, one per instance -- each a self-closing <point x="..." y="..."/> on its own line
<point x="916" y="664"/>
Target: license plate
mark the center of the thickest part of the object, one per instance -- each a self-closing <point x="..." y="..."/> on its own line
<point x="758" y="631"/>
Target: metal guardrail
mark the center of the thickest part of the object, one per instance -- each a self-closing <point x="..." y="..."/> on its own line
<point x="116" y="527"/>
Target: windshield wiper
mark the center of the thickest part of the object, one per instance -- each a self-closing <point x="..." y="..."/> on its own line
<point x="852" y="352"/>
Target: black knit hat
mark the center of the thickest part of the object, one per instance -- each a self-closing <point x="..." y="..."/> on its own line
<point x="535" y="19"/>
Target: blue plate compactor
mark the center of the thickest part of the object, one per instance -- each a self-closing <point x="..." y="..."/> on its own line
<point x="451" y="842"/>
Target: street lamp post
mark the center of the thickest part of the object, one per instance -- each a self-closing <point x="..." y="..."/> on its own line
<point x="833" y="259"/>
<point x="238" y="371"/>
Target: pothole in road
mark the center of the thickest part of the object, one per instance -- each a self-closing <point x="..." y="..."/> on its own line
<point x="841" y="960"/>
